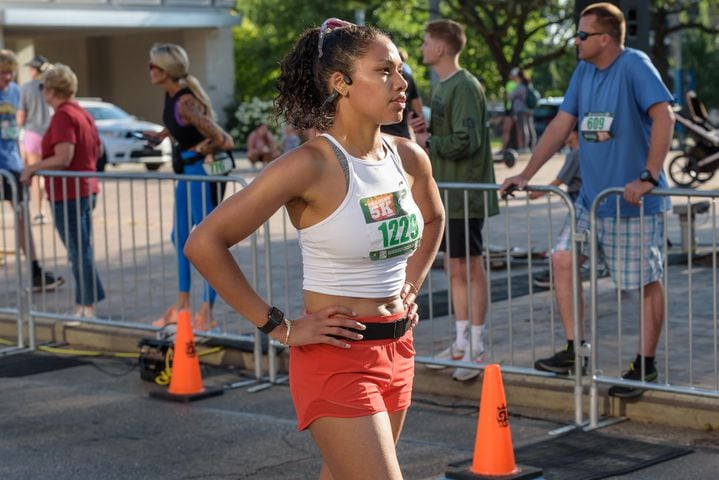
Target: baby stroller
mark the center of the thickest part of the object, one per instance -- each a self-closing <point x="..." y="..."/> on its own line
<point x="700" y="156"/>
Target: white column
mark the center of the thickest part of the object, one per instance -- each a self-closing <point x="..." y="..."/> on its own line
<point x="212" y="61"/>
<point x="25" y="50"/>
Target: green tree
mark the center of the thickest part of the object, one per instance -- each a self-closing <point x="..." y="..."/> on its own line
<point x="701" y="56"/>
<point x="695" y="18"/>
<point x="527" y="34"/>
<point x="270" y="27"/>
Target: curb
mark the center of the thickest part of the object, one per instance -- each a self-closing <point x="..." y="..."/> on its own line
<point x="557" y="394"/>
<point x="522" y="391"/>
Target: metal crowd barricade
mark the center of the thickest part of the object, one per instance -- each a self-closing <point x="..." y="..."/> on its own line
<point x="688" y="349"/>
<point x="136" y="261"/>
<point x="521" y="321"/>
<point x="11" y="264"/>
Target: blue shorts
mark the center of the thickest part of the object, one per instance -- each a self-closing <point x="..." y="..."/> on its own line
<point x="619" y="244"/>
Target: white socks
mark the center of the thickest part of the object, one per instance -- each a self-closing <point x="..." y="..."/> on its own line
<point x="462" y="339"/>
<point x="477" y="343"/>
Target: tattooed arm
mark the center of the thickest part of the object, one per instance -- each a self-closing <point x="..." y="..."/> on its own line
<point x="216" y="139"/>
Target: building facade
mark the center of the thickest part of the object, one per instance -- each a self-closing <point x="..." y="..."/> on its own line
<point x="106" y="43"/>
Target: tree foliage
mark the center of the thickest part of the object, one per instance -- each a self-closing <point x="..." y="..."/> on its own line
<point x="535" y="35"/>
<point x="701" y="57"/>
<point x="698" y="18"/>
<point x="517" y="33"/>
<point x="270" y="28"/>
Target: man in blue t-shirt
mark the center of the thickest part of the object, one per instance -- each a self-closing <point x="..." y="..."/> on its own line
<point x="625" y="125"/>
<point x="10" y="162"/>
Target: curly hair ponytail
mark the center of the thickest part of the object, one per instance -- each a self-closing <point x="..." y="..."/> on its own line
<point x="303" y="83"/>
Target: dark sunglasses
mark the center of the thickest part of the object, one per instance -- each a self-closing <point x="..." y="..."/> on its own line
<point x="584" y="35"/>
<point x="152" y="66"/>
<point x="328" y="26"/>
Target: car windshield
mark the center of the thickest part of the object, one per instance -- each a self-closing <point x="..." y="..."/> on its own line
<point x="108" y="113"/>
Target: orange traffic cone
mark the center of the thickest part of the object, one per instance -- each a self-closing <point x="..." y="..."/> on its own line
<point x="493" y="452"/>
<point x="186" y="382"/>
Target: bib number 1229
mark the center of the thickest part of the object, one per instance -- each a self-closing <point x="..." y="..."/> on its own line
<point x="399" y="230"/>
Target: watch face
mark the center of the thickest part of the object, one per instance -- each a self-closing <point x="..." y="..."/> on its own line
<point x="645" y="176"/>
<point x="276" y="315"/>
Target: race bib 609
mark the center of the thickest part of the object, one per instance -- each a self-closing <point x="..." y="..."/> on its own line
<point x="597" y="126"/>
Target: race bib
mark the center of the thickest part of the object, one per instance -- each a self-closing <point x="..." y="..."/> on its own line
<point x="8" y="129"/>
<point x="393" y="230"/>
<point x="222" y="165"/>
<point x="597" y="126"/>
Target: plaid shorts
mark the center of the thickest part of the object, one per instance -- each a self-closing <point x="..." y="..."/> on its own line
<point x="619" y="246"/>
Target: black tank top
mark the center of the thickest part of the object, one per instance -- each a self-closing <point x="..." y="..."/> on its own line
<point x="187" y="136"/>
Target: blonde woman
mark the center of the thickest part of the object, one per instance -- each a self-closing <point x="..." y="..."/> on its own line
<point x="190" y="121"/>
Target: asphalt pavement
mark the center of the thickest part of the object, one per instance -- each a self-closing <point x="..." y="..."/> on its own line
<point x="97" y="421"/>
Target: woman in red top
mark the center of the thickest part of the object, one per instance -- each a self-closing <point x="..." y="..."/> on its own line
<point x="71" y="142"/>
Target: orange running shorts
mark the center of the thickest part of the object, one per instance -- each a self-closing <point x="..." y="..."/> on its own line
<point x="369" y="377"/>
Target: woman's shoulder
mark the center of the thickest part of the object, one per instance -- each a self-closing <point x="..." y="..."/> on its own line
<point x="312" y="155"/>
<point x="410" y="153"/>
<point x="186" y="98"/>
<point x="66" y="112"/>
<point x="303" y="170"/>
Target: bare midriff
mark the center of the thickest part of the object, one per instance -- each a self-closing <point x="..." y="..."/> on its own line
<point x="363" y="307"/>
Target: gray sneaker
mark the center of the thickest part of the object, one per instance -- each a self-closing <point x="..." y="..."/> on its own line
<point x="450" y="353"/>
<point x="463" y="374"/>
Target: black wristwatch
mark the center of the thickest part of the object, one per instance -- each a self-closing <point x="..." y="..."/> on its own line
<point x="275" y="318"/>
<point x="646" y="176"/>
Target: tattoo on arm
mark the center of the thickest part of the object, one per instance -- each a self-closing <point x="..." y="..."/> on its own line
<point x="193" y="113"/>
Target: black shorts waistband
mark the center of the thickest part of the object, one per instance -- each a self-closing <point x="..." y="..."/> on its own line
<point x="380" y="330"/>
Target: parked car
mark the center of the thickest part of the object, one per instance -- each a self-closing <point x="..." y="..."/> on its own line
<point x="544" y="112"/>
<point x="121" y="136"/>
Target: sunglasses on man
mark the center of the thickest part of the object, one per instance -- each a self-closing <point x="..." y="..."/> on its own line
<point x="584" y="35"/>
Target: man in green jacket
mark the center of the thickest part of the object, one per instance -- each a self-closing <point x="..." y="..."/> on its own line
<point x="459" y="149"/>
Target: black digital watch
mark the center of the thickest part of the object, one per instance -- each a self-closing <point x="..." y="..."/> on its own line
<point x="275" y="318"/>
<point x="646" y="176"/>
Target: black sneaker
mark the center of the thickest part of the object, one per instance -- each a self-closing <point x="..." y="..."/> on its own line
<point x="635" y="373"/>
<point x="542" y="280"/>
<point x="561" y="362"/>
<point x="45" y="281"/>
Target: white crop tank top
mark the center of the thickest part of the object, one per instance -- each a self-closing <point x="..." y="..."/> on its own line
<point x="361" y="249"/>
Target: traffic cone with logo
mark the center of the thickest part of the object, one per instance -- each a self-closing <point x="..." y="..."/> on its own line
<point x="186" y="382"/>
<point x="493" y="452"/>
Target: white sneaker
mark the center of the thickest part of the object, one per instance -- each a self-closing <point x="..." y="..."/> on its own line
<point x="462" y="374"/>
<point x="450" y="353"/>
